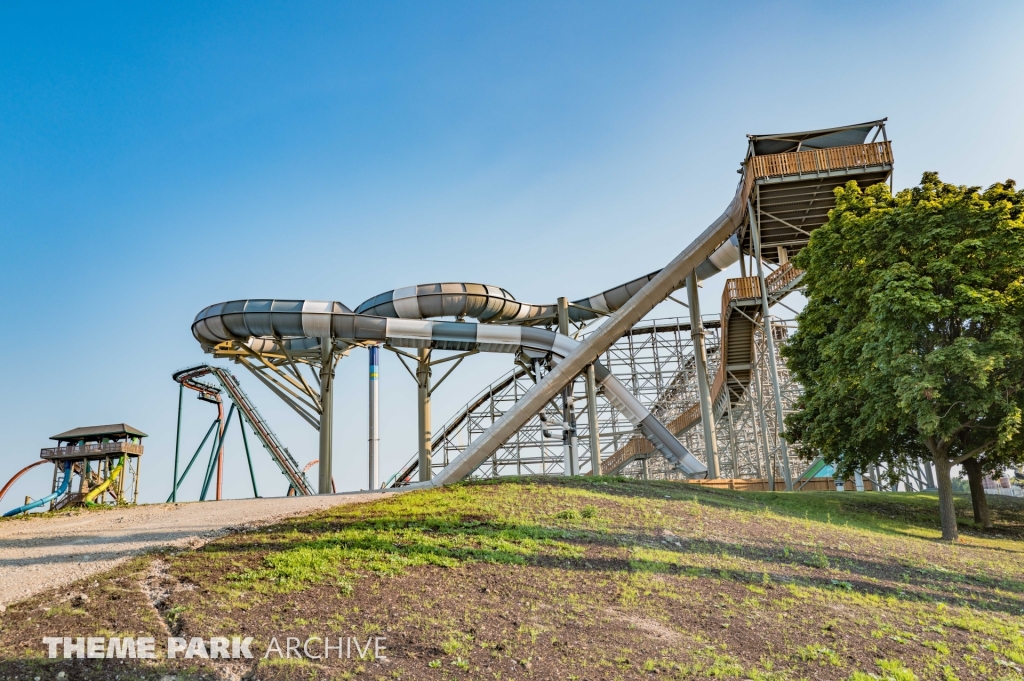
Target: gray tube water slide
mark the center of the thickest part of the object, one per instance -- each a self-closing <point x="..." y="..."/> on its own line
<point x="398" y="316"/>
<point x="657" y="288"/>
<point x="302" y="322"/>
<point x="401" y="317"/>
<point x="494" y="305"/>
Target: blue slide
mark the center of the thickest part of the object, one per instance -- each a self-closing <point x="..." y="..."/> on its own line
<point x="48" y="498"/>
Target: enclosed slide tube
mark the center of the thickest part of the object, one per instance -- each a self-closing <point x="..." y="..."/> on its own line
<point x="652" y="293"/>
<point x="494" y="305"/>
<point x="48" y="498"/>
<point x="301" y="324"/>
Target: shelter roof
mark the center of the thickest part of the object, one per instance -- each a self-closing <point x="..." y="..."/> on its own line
<point x="99" y="431"/>
<point x="814" y="139"/>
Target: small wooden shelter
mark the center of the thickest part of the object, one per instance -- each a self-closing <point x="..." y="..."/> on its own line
<point x="93" y="454"/>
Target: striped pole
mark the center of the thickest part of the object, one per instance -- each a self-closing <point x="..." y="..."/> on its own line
<point x="374" y="437"/>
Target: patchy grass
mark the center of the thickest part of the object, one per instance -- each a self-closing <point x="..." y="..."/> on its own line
<point x="588" y="579"/>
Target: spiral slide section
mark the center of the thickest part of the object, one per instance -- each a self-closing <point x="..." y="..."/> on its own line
<point x="493" y="305"/>
<point x="48" y="498"/>
<point x="302" y="321"/>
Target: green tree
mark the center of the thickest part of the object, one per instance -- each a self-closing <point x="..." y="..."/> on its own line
<point x="910" y="345"/>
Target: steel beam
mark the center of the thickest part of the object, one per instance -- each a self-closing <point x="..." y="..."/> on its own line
<point x="770" y="342"/>
<point x="326" y="413"/>
<point x="700" y="361"/>
<point x="423" y="412"/>
<point x="374" y="438"/>
<point x="570" y="456"/>
<point x="177" y="446"/>
<point x="594" y="424"/>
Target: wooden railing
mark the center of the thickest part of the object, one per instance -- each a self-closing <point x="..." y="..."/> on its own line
<point x="90" y="450"/>
<point x="820" y="160"/>
<point x="744" y="287"/>
<point x="782" y="277"/>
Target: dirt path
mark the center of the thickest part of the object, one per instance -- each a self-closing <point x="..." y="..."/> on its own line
<point x="41" y="553"/>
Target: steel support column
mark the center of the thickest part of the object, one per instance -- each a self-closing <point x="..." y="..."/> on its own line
<point x="700" y="358"/>
<point x="755" y="237"/>
<point x="423" y="412"/>
<point x="929" y="476"/>
<point x="570" y="456"/>
<point x="326" y="413"/>
<point x="177" y="445"/>
<point x="374" y="439"/>
<point x="592" y="420"/>
<point x="248" y="457"/>
<point x="220" y="452"/>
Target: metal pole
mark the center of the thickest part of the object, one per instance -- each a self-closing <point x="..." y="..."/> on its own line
<point x="252" y="475"/>
<point x="755" y="383"/>
<point x="773" y="373"/>
<point x="220" y="451"/>
<point x="374" y="437"/>
<point x="707" y="418"/>
<point x="929" y="476"/>
<point x="595" y="434"/>
<point x="211" y="464"/>
<point x="54" y="488"/>
<point x="177" y="443"/>
<point x="571" y="459"/>
<point x="326" y="413"/>
<point x="734" y="448"/>
<point x="218" y="446"/>
<point x="423" y="412"/>
<point x="193" y="460"/>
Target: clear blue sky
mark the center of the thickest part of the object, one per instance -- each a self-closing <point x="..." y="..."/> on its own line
<point x="156" y="159"/>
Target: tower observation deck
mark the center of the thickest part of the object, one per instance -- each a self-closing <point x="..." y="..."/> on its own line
<point x="95" y="465"/>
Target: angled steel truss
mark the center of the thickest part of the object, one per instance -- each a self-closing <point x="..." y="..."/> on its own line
<point x="655" y="361"/>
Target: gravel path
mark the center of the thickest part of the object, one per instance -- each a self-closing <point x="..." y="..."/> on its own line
<point x="42" y="553"/>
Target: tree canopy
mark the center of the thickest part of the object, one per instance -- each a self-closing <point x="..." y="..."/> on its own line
<point x="911" y="344"/>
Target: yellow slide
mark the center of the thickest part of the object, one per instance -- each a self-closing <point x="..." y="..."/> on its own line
<point x="106" y="483"/>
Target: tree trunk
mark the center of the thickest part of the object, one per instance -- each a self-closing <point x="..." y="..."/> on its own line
<point x="947" y="512"/>
<point x="979" y="501"/>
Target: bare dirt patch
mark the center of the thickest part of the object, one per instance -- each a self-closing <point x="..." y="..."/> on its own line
<point x="38" y="553"/>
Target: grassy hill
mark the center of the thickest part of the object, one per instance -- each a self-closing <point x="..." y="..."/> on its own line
<point x="573" y="579"/>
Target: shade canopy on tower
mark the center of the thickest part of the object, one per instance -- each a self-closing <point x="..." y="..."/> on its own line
<point x="92" y="432"/>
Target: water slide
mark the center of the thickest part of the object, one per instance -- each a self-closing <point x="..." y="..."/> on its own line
<point x="49" y="497"/>
<point x="795" y="177"/>
<point x="279" y="453"/>
<point x="812" y="163"/>
<point x="14" y="478"/>
<point x="298" y="325"/>
<point x="90" y="498"/>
